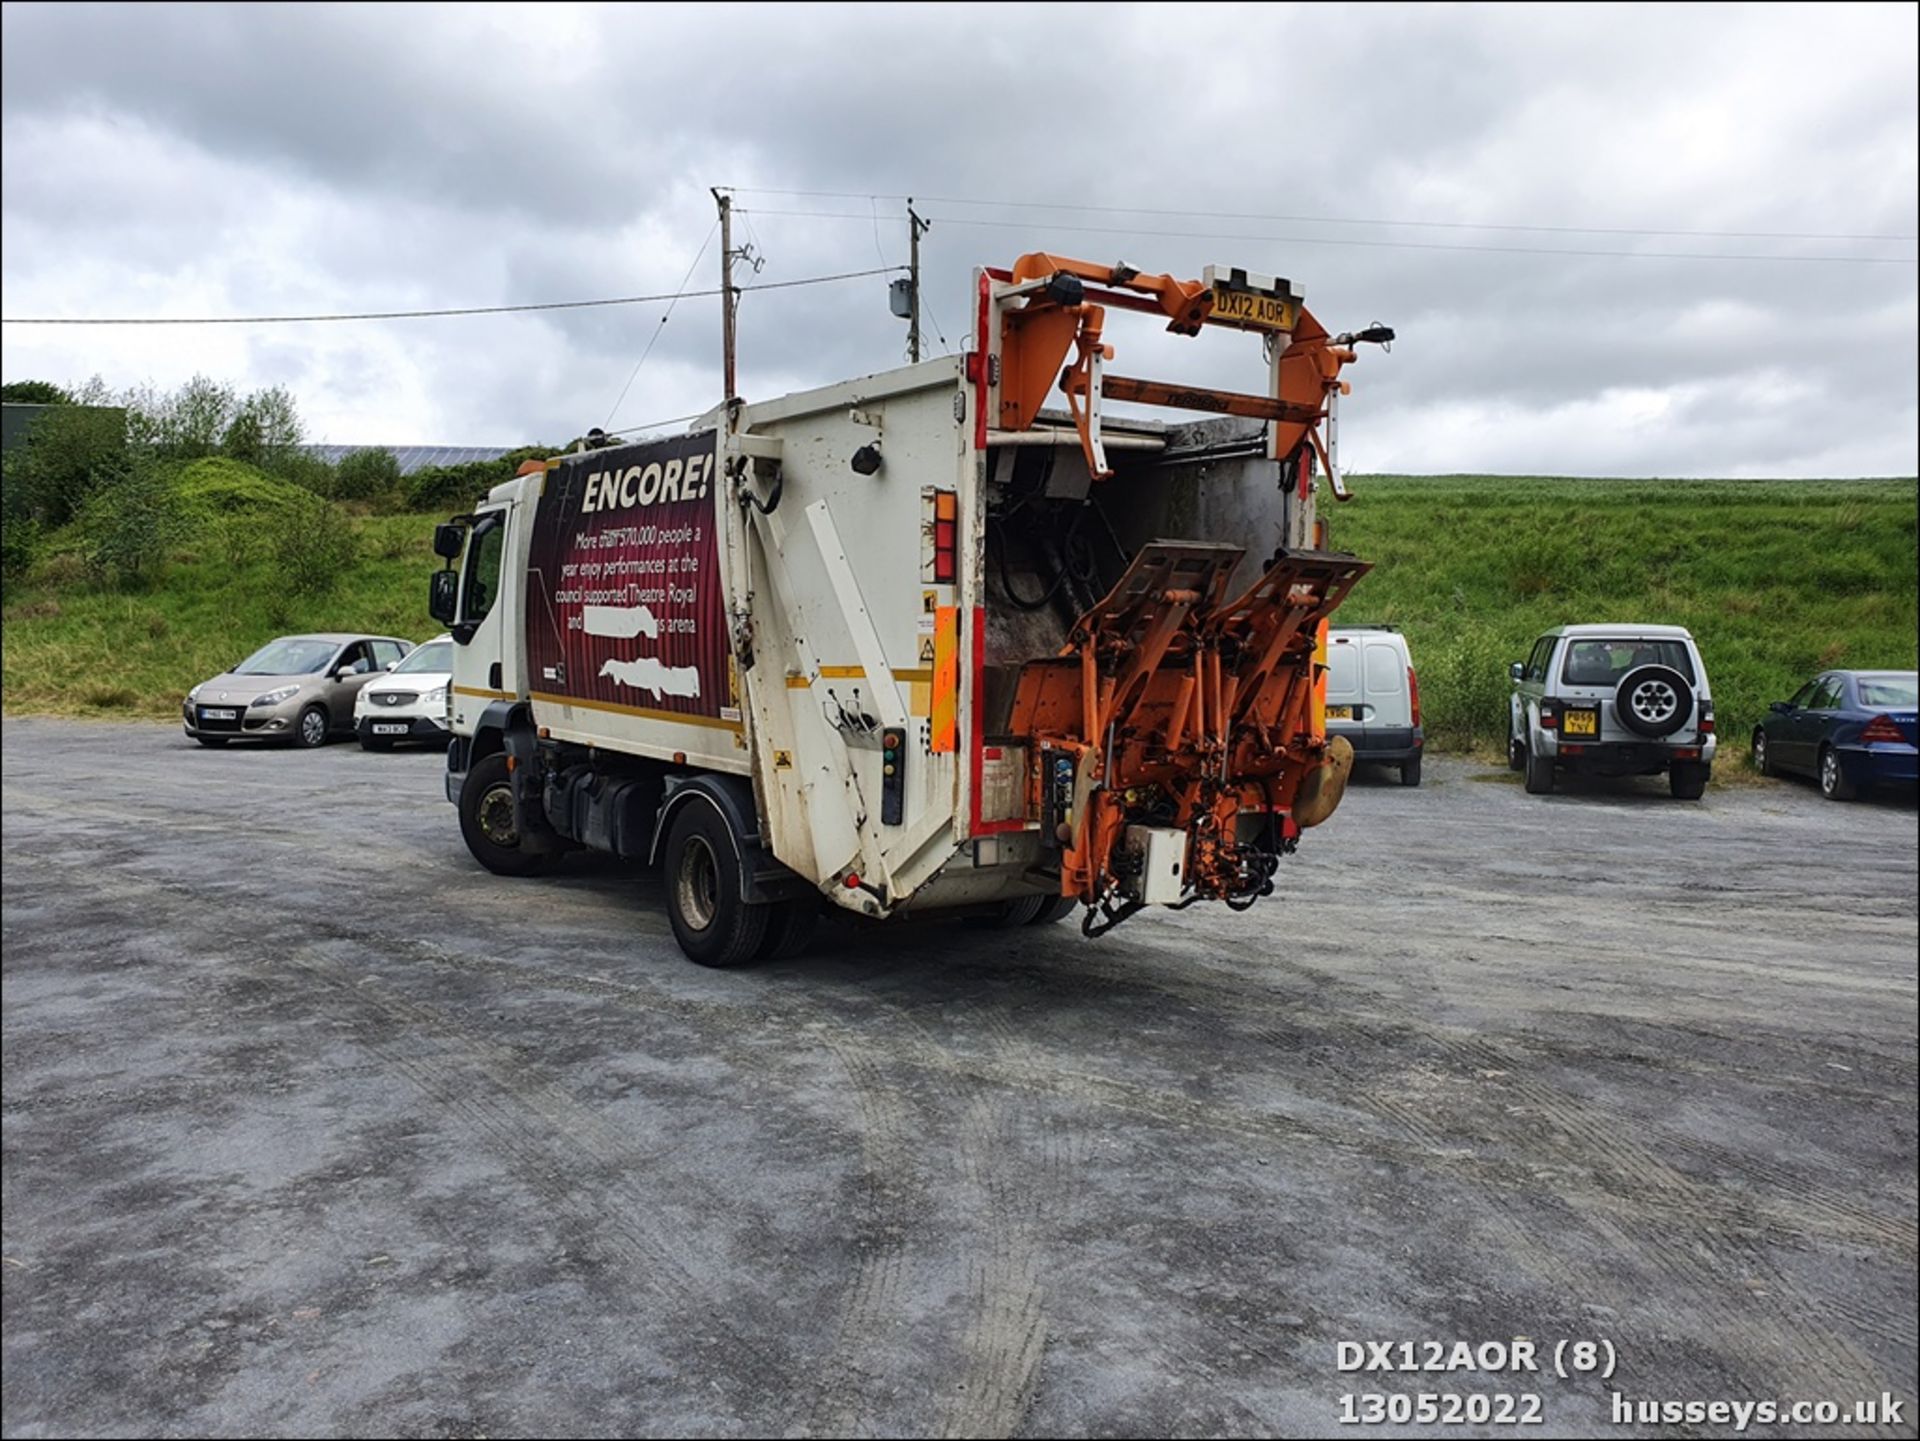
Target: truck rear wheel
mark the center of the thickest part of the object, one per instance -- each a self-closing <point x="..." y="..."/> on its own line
<point x="710" y="921"/>
<point x="790" y="926"/>
<point x="1054" y="908"/>
<point x="488" y="822"/>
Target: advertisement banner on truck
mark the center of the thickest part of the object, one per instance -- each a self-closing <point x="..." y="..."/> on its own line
<point x="623" y="583"/>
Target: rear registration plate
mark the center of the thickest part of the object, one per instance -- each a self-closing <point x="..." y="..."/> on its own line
<point x="211" y="714"/>
<point x="389" y="730"/>
<point x="1340" y="712"/>
<point x="1581" y="723"/>
<point x="1251" y="309"/>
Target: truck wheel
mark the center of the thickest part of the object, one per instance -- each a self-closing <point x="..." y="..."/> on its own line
<point x="488" y="822"/>
<point x="1688" y="779"/>
<point x="1020" y="911"/>
<point x="1516" y="755"/>
<point x="1539" y="774"/>
<point x="713" y="925"/>
<point x="790" y="926"/>
<point x="1834" y="784"/>
<point x="1410" y="771"/>
<point x="1055" y="908"/>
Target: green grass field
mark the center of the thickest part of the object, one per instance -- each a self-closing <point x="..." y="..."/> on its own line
<point x="1776" y="579"/>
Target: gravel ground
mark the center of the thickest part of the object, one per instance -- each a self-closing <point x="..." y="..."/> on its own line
<point x="313" y="1127"/>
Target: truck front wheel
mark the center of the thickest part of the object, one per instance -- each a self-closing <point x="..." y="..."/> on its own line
<point x="702" y="871"/>
<point x="488" y="822"/>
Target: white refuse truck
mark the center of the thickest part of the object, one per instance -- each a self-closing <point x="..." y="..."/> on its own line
<point x="917" y="642"/>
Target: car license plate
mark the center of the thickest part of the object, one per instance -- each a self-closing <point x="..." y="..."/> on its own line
<point x="1581" y="723"/>
<point x="1340" y="712"/>
<point x="1251" y="310"/>
<point x="211" y="714"/>
<point x="389" y="730"/>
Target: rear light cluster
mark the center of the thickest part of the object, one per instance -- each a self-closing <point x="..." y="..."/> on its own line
<point x="1706" y="717"/>
<point x="1882" y="731"/>
<point x="1413" y="693"/>
<point x="946" y="524"/>
<point x="1549" y="715"/>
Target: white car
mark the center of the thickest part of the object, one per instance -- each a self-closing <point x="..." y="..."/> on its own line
<point x="409" y="702"/>
<point x="1373" y="697"/>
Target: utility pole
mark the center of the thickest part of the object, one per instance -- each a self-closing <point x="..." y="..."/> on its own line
<point x="725" y="203"/>
<point x="915" y="227"/>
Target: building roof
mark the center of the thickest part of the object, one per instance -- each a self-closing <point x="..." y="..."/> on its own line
<point x="413" y="457"/>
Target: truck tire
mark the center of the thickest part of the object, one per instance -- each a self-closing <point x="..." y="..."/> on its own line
<point x="488" y="823"/>
<point x="710" y="921"/>
<point x="1653" y="701"/>
<point x="1410" y="771"/>
<point x="1688" y="779"/>
<point x="1539" y="774"/>
<point x="1516" y="755"/>
<point x="1056" y="908"/>
<point x="1020" y="911"/>
<point x="790" y="926"/>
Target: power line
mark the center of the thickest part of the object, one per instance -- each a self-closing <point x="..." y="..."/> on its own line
<point x="1333" y="220"/>
<point x="662" y="325"/>
<point x="435" y="314"/>
<point x="1381" y="244"/>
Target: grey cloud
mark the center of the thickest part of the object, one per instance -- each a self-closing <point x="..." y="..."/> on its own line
<point x="333" y="158"/>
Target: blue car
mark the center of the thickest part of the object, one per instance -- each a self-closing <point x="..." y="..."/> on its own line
<point x="1848" y="729"/>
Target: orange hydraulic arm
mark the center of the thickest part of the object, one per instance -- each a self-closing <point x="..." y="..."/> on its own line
<point x="1061" y="314"/>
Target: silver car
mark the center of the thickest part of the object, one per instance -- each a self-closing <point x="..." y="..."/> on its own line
<point x="299" y="688"/>
<point x="1613" y="700"/>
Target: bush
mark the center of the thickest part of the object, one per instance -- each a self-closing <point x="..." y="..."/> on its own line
<point x="461" y="487"/>
<point x="371" y="474"/>
<point x="264" y="429"/>
<point x="302" y="468"/>
<point x="20" y="545"/>
<point x="127" y="527"/>
<point x="33" y="392"/>
<point x="70" y="452"/>
<point x="311" y="542"/>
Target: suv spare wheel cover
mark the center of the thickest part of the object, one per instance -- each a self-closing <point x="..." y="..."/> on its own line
<point x="1653" y="700"/>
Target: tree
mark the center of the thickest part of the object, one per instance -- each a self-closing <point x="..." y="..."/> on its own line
<point x="33" y="392"/>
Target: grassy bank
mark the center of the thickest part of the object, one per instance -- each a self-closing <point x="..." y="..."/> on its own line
<point x="232" y="580"/>
<point x="1775" y="579"/>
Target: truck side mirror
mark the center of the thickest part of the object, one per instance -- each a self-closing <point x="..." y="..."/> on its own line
<point x="1781" y="707"/>
<point x="1517" y="671"/>
<point x="443" y="593"/>
<point x="447" y="541"/>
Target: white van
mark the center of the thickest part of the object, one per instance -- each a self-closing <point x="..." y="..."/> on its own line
<point x="1373" y="697"/>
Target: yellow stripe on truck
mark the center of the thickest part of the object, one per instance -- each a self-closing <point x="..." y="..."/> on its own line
<point x="946" y="678"/>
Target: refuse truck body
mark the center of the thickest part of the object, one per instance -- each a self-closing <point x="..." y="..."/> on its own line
<point x="928" y="641"/>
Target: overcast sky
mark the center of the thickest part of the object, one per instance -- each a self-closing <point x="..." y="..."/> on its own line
<point x="1401" y="164"/>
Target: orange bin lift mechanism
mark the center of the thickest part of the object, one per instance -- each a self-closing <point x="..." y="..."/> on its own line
<point x="1174" y="701"/>
<point x="1035" y="338"/>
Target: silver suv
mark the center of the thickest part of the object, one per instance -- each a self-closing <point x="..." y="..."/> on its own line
<point x="1612" y="700"/>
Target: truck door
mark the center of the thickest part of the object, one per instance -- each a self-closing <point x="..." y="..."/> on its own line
<point x="480" y="624"/>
